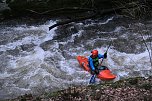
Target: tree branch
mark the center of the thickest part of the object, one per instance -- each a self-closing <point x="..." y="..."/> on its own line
<point x="61" y="9"/>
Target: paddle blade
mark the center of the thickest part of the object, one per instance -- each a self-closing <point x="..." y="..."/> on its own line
<point x="92" y="80"/>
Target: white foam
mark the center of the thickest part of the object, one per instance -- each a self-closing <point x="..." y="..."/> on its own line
<point x="75" y="35"/>
<point x="44" y="27"/>
<point x="51" y="33"/>
<point x="4" y="75"/>
<point x="118" y="29"/>
<point x="122" y="73"/>
<point x="107" y="21"/>
<point x="131" y="62"/>
<point x="34" y="59"/>
<point x="36" y="39"/>
<point x="101" y="23"/>
<point x="37" y="55"/>
<point x="65" y="66"/>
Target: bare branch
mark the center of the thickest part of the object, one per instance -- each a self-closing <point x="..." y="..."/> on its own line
<point x="150" y="57"/>
<point x="61" y="9"/>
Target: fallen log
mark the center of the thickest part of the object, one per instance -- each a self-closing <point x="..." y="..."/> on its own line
<point x="84" y="18"/>
<point x="101" y="13"/>
<point x="72" y="20"/>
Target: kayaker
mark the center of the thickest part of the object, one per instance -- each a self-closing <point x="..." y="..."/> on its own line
<point x="94" y="63"/>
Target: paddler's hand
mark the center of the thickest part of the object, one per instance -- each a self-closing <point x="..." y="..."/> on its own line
<point x="105" y="55"/>
<point x="96" y="71"/>
<point x="93" y="72"/>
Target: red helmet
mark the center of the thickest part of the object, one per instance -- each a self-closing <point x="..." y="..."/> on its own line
<point x="94" y="53"/>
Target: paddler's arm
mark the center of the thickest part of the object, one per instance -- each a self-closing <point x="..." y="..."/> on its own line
<point x="91" y="64"/>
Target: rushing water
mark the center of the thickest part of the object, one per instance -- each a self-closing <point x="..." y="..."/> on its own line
<point x="36" y="60"/>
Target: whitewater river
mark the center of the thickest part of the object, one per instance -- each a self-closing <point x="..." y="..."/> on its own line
<point x="36" y="60"/>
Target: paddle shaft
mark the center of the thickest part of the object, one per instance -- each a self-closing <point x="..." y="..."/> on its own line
<point x="93" y="77"/>
<point x="106" y="51"/>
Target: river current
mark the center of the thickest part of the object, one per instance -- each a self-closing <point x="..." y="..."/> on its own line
<point x="36" y="60"/>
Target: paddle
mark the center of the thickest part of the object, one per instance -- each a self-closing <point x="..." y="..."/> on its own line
<point x="107" y="50"/>
<point x="92" y="80"/>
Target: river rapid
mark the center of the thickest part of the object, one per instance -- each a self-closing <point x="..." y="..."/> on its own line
<point x="36" y="60"/>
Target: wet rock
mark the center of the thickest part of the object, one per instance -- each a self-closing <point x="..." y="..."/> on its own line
<point x="46" y="45"/>
<point x="14" y="52"/>
<point x="65" y="31"/>
<point x="27" y="47"/>
<point x="17" y="51"/>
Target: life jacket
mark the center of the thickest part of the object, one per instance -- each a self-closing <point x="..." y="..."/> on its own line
<point x="95" y="61"/>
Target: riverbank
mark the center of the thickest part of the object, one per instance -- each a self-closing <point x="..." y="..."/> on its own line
<point x="131" y="89"/>
<point x="133" y="9"/>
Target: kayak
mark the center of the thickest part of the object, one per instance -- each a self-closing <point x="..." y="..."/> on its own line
<point x="104" y="72"/>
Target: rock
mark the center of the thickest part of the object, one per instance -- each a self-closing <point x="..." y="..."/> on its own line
<point x="28" y="47"/>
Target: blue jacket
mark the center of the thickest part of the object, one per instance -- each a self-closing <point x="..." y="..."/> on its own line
<point x="91" y="61"/>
